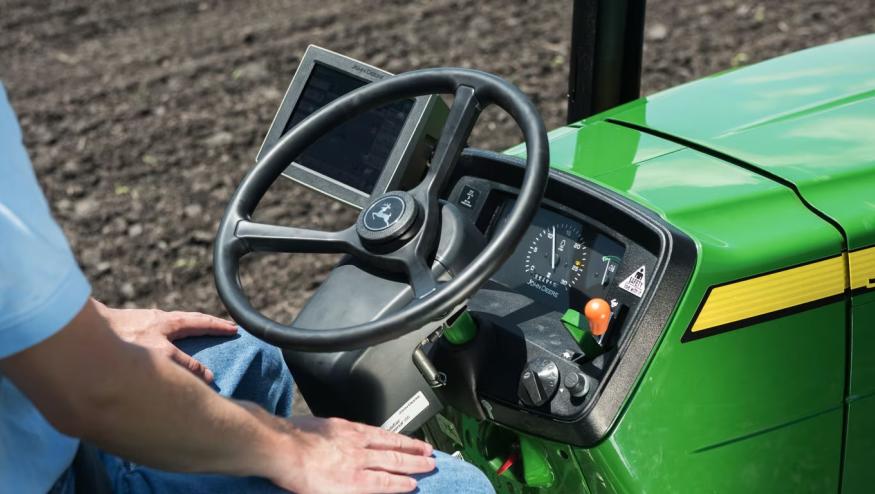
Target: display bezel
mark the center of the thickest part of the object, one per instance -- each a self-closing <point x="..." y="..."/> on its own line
<point x="400" y="156"/>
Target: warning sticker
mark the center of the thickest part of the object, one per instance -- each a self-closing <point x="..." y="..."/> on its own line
<point x="634" y="284"/>
<point x="408" y="411"/>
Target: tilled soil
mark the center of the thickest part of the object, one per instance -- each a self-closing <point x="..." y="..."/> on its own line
<point x="141" y="117"/>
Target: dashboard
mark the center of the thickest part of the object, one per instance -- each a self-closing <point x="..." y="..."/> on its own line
<point x="534" y="372"/>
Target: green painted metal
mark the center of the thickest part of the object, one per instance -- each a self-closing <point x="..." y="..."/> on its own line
<point x="578" y="328"/>
<point x="487" y="446"/>
<point x="781" y="89"/>
<point x="859" y="476"/>
<point x="537" y="471"/>
<point x="746" y="408"/>
<point x="463" y="330"/>
<point x="806" y="117"/>
<point x="605" y="148"/>
<point x="863" y="352"/>
<point x="760" y="408"/>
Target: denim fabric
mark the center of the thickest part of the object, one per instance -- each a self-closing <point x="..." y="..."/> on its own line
<point x="246" y="368"/>
<point x="451" y="476"/>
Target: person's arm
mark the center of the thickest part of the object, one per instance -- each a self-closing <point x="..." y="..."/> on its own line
<point x="135" y="402"/>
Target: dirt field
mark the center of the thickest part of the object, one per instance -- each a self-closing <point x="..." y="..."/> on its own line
<point x="141" y="117"/>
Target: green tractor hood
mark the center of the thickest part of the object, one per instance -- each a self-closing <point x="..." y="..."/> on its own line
<point x="806" y="120"/>
<point x="770" y="169"/>
<point x="765" y="166"/>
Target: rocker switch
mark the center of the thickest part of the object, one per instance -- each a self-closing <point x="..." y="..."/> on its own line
<point x="538" y="382"/>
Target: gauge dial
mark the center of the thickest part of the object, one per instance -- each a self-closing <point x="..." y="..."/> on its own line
<point x="555" y="259"/>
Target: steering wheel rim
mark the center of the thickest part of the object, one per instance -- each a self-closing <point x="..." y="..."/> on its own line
<point x="238" y="235"/>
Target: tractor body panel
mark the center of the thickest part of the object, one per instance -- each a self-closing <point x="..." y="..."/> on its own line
<point x="808" y="119"/>
<point x="759" y="406"/>
<point x="805" y="117"/>
<point x="764" y="396"/>
<point x="770" y="354"/>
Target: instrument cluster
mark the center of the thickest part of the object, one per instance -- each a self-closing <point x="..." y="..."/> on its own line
<point x="561" y="262"/>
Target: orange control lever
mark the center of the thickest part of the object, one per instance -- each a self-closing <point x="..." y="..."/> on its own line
<point x="598" y="313"/>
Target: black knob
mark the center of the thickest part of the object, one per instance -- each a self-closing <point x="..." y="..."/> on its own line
<point x="538" y="382"/>
<point x="577" y="384"/>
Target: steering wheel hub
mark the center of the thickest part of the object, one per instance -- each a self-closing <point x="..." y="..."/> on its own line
<point x="389" y="217"/>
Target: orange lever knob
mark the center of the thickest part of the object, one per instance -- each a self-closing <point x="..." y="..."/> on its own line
<point x="598" y="313"/>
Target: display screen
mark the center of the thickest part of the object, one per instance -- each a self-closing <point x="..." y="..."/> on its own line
<point x="560" y="262"/>
<point x="355" y="152"/>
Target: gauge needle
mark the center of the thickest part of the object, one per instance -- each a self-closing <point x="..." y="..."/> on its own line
<point x="553" y="252"/>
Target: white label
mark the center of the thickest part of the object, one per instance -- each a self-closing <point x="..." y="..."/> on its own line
<point x="634" y="284"/>
<point x="408" y="411"/>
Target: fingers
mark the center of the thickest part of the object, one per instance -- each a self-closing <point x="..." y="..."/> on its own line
<point x="382" y="439"/>
<point x="370" y="481"/>
<point x="186" y="324"/>
<point x="396" y="462"/>
<point x="190" y="363"/>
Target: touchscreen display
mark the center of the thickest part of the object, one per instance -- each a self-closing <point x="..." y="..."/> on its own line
<point x="355" y="152"/>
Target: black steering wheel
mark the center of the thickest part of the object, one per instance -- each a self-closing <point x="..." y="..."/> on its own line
<point x="399" y="230"/>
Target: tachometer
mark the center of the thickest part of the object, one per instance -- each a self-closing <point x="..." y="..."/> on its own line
<point x="555" y="259"/>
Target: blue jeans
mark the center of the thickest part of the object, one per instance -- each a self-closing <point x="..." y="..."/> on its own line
<point x="246" y="368"/>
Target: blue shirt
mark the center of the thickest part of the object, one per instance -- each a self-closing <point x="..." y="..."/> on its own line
<point x="41" y="290"/>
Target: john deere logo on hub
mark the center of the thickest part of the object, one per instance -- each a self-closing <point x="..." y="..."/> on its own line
<point x="384" y="213"/>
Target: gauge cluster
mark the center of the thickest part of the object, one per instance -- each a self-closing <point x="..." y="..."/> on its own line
<point x="561" y="262"/>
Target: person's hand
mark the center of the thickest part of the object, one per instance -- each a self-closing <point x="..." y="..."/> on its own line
<point x="338" y="456"/>
<point x="157" y="329"/>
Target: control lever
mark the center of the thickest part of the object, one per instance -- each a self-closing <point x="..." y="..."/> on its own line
<point x="598" y="313"/>
<point x="590" y="335"/>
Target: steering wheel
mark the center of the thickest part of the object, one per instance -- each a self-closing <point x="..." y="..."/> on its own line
<point x="398" y="232"/>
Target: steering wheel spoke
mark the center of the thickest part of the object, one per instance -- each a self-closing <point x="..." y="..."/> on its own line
<point x="454" y="137"/>
<point x="421" y="278"/>
<point x="261" y="237"/>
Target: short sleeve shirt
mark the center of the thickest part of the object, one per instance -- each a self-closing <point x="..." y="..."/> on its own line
<point x="41" y="290"/>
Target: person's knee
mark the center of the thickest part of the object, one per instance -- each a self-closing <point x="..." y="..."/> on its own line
<point x="268" y="356"/>
<point x="267" y="361"/>
<point x="245" y="368"/>
<point x="453" y="475"/>
<point x="242" y="353"/>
